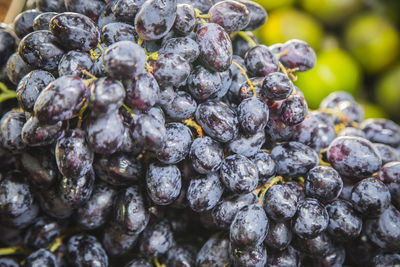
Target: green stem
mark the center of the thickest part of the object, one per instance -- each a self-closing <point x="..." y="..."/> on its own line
<point x="264" y="190"/>
<point x="247" y="38"/>
<point x="13" y="251"/>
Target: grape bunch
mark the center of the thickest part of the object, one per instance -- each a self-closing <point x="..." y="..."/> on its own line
<point x="160" y="133"/>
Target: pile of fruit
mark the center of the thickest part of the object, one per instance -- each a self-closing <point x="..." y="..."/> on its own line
<point x="161" y="133"/>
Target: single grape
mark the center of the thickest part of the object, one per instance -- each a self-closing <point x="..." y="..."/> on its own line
<point x="231" y="15"/>
<point x="279" y="203"/>
<point x="84" y="250"/>
<point x="260" y="61"/>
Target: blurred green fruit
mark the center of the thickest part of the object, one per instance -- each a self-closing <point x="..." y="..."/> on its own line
<point x="331" y="11"/>
<point x="388" y="92"/>
<point x="372" y="111"/>
<point x="272" y="4"/>
<point x="288" y="23"/>
<point x="374" y="42"/>
<point x="336" y="70"/>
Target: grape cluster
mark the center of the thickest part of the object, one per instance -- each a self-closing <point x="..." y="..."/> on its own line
<point x="161" y="133"/>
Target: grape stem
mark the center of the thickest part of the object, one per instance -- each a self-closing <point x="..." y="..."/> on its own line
<point x="6" y="93"/>
<point x="157" y="263"/>
<point x="321" y="160"/>
<point x="247" y="78"/>
<point x="202" y="17"/>
<point x="80" y="114"/>
<point x="129" y="110"/>
<point x="191" y="123"/>
<point x="247" y="38"/>
<point x="265" y="188"/>
<point x="13" y="250"/>
<point x="288" y="72"/>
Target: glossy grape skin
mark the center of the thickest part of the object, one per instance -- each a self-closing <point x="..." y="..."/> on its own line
<point x="333" y="99"/>
<point x="277" y="131"/>
<point x="149" y="132"/>
<point x="60" y="100"/>
<point x="15" y="194"/>
<point x="8" y="42"/>
<point x="155" y="19"/>
<point x="177" y="143"/>
<point x="204" y="192"/>
<point x="11" y="125"/>
<point x="106" y="16"/>
<point x="17" y="68"/>
<point x="318" y="246"/>
<point x="314" y="133"/>
<point x="104" y="133"/>
<point x="91" y="9"/>
<point x="265" y="165"/>
<point x="299" y="55"/>
<point x="126" y="10"/>
<point x="294" y="158"/>
<point x="51" y="204"/>
<point x="280" y="203"/>
<point x="41" y="167"/>
<point x="157" y="239"/>
<point x="285" y="258"/>
<point x="353" y="157"/>
<point x="294" y="110"/>
<point x="323" y="183"/>
<point x="140" y="262"/>
<point x="260" y="61"/>
<point x="142" y="92"/>
<point x="389" y="173"/>
<point x="241" y="46"/>
<point x="218" y="120"/>
<point x="35" y="133"/>
<point x="8" y="262"/>
<point x="76" y="191"/>
<point x="185" y="20"/>
<point x="181" y="107"/>
<point x="258" y="15"/>
<point x="252" y="257"/>
<point x="117" y="31"/>
<point x="279" y="235"/>
<point x="41" y="257"/>
<point x="239" y="174"/>
<point x="95" y="211"/>
<point x="381" y="131"/>
<point x="170" y="69"/>
<point x="310" y="220"/>
<point x="203" y="84"/>
<point x="42" y="22"/>
<point x="387" y="153"/>
<point x="249" y="227"/>
<point x="277" y="86"/>
<point x="106" y="95"/>
<point x="50" y="5"/>
<point x="225" y="210"/>
<point x="30" y="86"/>
<point x="181" y="256"/>
<point x="215" y="47"/>
<point x="130" y="211"/>
<point x="231" y="15"/>
<point x="206" y="155"/>
<point x="214" y="251"/>
<point x="23" y="23"/>
<point x="118" y="169"/>
<point x="124" y="60"/>
<point x="253" y="115"/>
<point x="83" y="33"/>
<point x="247" y="145"/>
<point x="74" y="62"/>
<point x="344" y="223"/>
<point x="370" y="197"/>
<point x="116" y="241"/>
<point x="73" y="154"/>
<point x="42" y="233"/>
<point x="183" y="46"/>
<point x="163" y="183"/>
<point x="386" y="260"/>
<point x="385" y="230"/>
<point x="85" y="250"/>
<point x="351" y="131"/>
<point x="335" y="257"/>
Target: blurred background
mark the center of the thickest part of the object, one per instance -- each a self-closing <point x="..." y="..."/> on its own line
<point x="357" y="44"/>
